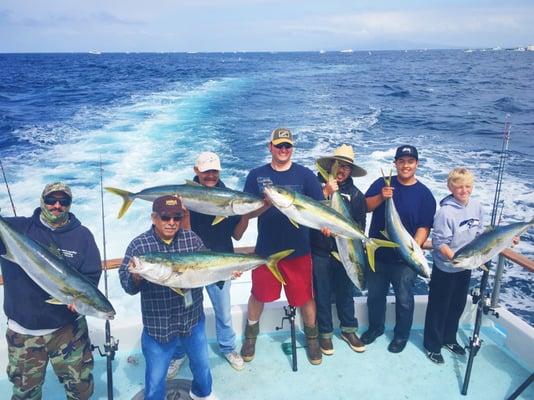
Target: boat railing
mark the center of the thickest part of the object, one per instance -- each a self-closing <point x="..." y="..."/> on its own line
<point x="509" y="254"/>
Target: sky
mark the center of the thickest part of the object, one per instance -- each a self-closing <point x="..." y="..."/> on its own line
<point x="261" y="25"/>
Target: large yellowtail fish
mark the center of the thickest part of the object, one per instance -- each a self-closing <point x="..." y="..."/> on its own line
<point x="220" y="202"/>
<point x="488" y="244"/>
<point x="197" y="269"/>
<point x="350" y="252"/>
<point x="301" y="209"/>
<point x="64" y="284"/>
<point x="409" y="250"/>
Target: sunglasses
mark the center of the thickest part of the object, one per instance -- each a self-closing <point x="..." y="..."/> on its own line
<point x="165" y="218"/>
<point x="51" y="200"/>
<point x="283" y="146"/>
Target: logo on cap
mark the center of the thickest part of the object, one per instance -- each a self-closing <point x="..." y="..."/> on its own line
<point x="171" y="202"/>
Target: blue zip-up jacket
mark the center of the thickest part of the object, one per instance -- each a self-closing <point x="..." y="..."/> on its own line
<point x="24" y="300"/>
<point x="455" y="225"/>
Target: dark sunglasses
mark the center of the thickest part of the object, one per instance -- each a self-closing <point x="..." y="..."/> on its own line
<point x="165" y="218"/>
<point x="283" y="146"/>
<point x="51" y="200"/>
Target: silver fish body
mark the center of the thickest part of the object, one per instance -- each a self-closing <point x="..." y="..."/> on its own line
<point x="351" y="251"/>
<point x="197" y="269"/>
<point x="488" y="244"/>
<point x="311" y="213"/>
<point x="53" y="275"/>
<point x="410" y="251"/>
<point x="206" y="200"/>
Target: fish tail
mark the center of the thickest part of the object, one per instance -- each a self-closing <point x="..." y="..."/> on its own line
<point x="126" y="198"/>
<point x="272" y="264"/>
<point x="372" y="244"/>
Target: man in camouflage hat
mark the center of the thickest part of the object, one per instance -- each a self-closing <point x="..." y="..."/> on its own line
<point x="37" y="331"/>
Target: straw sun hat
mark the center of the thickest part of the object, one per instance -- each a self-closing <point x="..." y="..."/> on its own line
<point x="343" y="153"/>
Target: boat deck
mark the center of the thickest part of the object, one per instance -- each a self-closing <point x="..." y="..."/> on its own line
<point x="375" y="374"/>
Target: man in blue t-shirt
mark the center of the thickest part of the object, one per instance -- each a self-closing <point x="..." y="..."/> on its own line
<point x="416" y="207"/>
<point x="277" y="233"/>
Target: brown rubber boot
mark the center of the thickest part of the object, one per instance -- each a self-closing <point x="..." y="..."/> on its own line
<point x="249" y="345"/>
<point x="313" y="350"/>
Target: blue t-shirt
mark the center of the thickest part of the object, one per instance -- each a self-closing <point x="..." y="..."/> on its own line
<point x="414" y="203"/>
<point x="275" y="231"/>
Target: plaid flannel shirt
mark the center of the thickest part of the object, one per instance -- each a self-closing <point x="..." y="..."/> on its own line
<point x="165" y="313"/>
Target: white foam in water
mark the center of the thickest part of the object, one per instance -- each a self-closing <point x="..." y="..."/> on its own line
<point x="154" y="141"/>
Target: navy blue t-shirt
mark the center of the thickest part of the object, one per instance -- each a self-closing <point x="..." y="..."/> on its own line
<point x="414" y="203"/>
<point x="275" y="231"/>
<point x="215" y="237"/>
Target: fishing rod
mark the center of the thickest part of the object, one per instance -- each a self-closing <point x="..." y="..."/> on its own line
<point x="290" y="313"/>
<point x="480" y="297"/>
<point x="111" y="345"/>
<point x="7" y="187"/>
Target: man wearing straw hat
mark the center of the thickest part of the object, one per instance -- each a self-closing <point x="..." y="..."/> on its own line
<point x="329" y="275"/>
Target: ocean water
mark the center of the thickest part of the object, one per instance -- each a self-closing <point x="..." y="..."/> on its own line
<point x="147" y="116"/>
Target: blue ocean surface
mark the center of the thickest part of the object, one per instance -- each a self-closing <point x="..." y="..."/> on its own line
<point x="147" y="116"/>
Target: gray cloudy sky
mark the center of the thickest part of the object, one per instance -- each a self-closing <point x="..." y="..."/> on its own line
<point x="261" y="25"/>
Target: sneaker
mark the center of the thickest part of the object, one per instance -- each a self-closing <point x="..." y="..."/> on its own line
<point x="235" y="360"/>
<point x="174" y="367"/>
<point x="211" y="396"/>
<point x="455" y="348"/>
<point x="354" y="341"/>
<point x="370" y="336"/>
<point x="326" y="345"/>
<point x="435" y="357"/>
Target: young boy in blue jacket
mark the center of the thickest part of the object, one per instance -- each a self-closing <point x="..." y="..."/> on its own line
<point x="457" y="222"/>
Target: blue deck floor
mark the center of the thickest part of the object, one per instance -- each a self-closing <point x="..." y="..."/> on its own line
<point x="375" y="374"/>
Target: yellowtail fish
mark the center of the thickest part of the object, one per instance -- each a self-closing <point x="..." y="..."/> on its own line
<point x="409" y="250"/>
<point x="220" y="202"/>
<point x="488" y="244"/>
<point x="64" y="284"/>
<point x="301" y="209"/>
<point x="197" y="269"/>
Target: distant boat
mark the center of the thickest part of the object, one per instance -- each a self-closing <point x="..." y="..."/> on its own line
<point x="520" y="49"/>
<point x="530" y="47"/>
<point x="497" y="48"/>
<point x="346" y="51"/>
<point x="322" y="51"/>
<point x="469" y="51"/>
<point x="94" y="52"/>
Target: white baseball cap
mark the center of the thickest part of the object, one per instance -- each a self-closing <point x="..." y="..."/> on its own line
<point x="208" y="160"/>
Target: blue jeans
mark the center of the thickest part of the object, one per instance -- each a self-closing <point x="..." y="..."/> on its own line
<point x="329" y="277"/>
<point x="158" y="357"/>
<point x="402" y="278"/>
<point x="220" y="299"/>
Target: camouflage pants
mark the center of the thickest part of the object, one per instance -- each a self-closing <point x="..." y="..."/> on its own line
<point x="69" y="352"/>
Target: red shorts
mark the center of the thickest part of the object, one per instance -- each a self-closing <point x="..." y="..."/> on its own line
<point x="297" y="273"/>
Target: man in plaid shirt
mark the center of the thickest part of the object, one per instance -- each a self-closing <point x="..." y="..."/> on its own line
<point x="169" y="319"/>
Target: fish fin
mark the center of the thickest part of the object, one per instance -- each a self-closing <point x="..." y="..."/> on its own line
<point x="335" y="254"/>
<point x="484" y="268"/>
<point x="126" y="198"/>
<point x="9" y="257"/>
<point x="55" y="251"/>
<point x="322" y="171"/>
<point x="371" y="245"/>
<point x="192" y="183"/>
<point x="385" y="234"/>
<point x="220" y="284"/>
<point x="218" y="219"/>
<point x="294" y="223"/>
<point x="272" y="264"/>
<point x="387" y="180"/>
<point x="54" y="301"/>
<point x="326" y="203"/>
<point x="177" y="290"/>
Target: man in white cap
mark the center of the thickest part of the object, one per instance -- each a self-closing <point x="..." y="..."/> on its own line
<point x="38" y="331"/>
<point x="216" y="237"/>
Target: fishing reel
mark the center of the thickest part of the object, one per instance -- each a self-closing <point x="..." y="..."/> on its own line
<point x="290" y="313"/>
<point x="110" y="348"/>
<point x="485" y="302"/>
